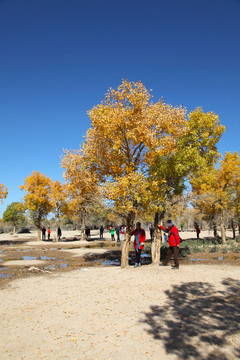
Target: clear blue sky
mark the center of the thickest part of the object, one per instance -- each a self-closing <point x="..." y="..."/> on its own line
<point x="59" y="57"/>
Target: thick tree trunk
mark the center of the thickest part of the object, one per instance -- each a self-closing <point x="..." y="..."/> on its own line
<point x="214" y="229"/>
<point x="156" y="244"/>
<point x="39" y="234"/>
<point x="223" y="232"/>
<point x="125" y="249"/>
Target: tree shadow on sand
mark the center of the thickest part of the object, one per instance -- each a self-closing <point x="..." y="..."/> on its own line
<point x="198" y="322"/>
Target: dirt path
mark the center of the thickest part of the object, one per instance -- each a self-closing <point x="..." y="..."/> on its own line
<point x="110" y="313"/>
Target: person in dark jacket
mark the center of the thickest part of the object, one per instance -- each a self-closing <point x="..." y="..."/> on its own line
<point x="59" y="232"/>
<point x="43" y="233"/>
<point x="174" y="241"/>
<point x="139" y="238"/>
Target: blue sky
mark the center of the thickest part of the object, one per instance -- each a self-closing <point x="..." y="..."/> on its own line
<point x="59" y="57"/>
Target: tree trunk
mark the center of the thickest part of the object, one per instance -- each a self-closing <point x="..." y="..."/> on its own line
<point x="156" y="244"/>
<point x="223" y="232"/>
<point x="14" y="229"/>
<point x="233" y="229"/>
<point x="39" y="234"/>
<point x="125" y="249"/>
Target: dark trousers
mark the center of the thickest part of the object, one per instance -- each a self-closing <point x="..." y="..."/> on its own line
<point x="138" y="254"/>
<point x="172" y="250"/>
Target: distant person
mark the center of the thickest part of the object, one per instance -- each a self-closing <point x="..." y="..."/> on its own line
<point x="49" y="233"/>
<point x="117" y="229"/>
<point x="197" y="231"/>
<point x="139" y="239"/>
<point x="151" y="229"/>
<point x="59" y="232"/>
<point x="101" y="232"/>
<point x="122" y="233"/>
<point x="181" y="226"/>
<point x="174" y="241"/>
<point x="87" y="233"/>
<point x="112" y="233"/>
<point x="43" y="233"/>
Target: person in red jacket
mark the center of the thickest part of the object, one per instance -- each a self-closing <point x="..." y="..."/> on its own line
<point x="139" y="238"/>
<point x="174" y="241"/>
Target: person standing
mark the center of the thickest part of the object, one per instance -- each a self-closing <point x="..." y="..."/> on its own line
<point x="49" y="233"/>
<point x="174" y="241"/>
<point x="59" y="232"/>
<point x="122" y="233"/>
<point x="101" y="232"/>
<point x="197" y="231"/>
<point x="43" y="233"/>
<point x="139" y="239"/>
<point x="112" y="233"/>
<point x="117" y="229"/>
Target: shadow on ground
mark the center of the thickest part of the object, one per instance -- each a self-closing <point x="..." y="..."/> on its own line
<point x="198" y="322"/>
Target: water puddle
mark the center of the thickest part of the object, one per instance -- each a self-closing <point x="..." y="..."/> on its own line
<point x="115" y="262"/>
<point x="54" y="267"/>
<point x="29" y="258"/>
<point x="197" y="259"/>
<point x="63" y="265"/>
<point x="5" y="275"/>
<point x="47" y="258"/>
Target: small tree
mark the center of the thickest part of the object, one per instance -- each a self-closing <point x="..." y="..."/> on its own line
<point x="37" y="199"/>
<point x="14" y="214"/>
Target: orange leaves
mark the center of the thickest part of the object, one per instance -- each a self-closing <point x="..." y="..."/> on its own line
<point x="3" y="192"/>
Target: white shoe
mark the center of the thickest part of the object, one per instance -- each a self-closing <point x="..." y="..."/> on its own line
<point x="136" y="265"/>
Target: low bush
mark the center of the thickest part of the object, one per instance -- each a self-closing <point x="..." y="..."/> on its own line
<point x="214" y="249"/>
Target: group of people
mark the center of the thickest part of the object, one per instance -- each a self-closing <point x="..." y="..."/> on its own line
<point x="118" y="230"/>
<point x="48" y="231"/>
<point x="173" y="239"/>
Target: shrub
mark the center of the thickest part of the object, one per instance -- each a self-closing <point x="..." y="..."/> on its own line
<point x="214" y="249"/>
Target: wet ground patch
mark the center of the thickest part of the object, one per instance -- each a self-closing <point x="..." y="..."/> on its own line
<point x="19" y="259"/>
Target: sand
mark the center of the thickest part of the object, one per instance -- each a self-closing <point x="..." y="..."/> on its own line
<point x="111" y="313"/>
<point x="150" y="312"/>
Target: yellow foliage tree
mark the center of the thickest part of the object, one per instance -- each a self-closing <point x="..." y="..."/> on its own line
<point x="3" y="192"/>
<point x="195" y="150"/>
<point x="216" y="190"/>
<point x="37" y="198"/>
<point x="81" y="185"/>
<point x="127" y="132"/>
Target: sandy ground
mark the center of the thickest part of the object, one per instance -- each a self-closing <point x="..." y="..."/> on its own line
<point x="150" y="312"/>
<point x="102" y="313"/>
